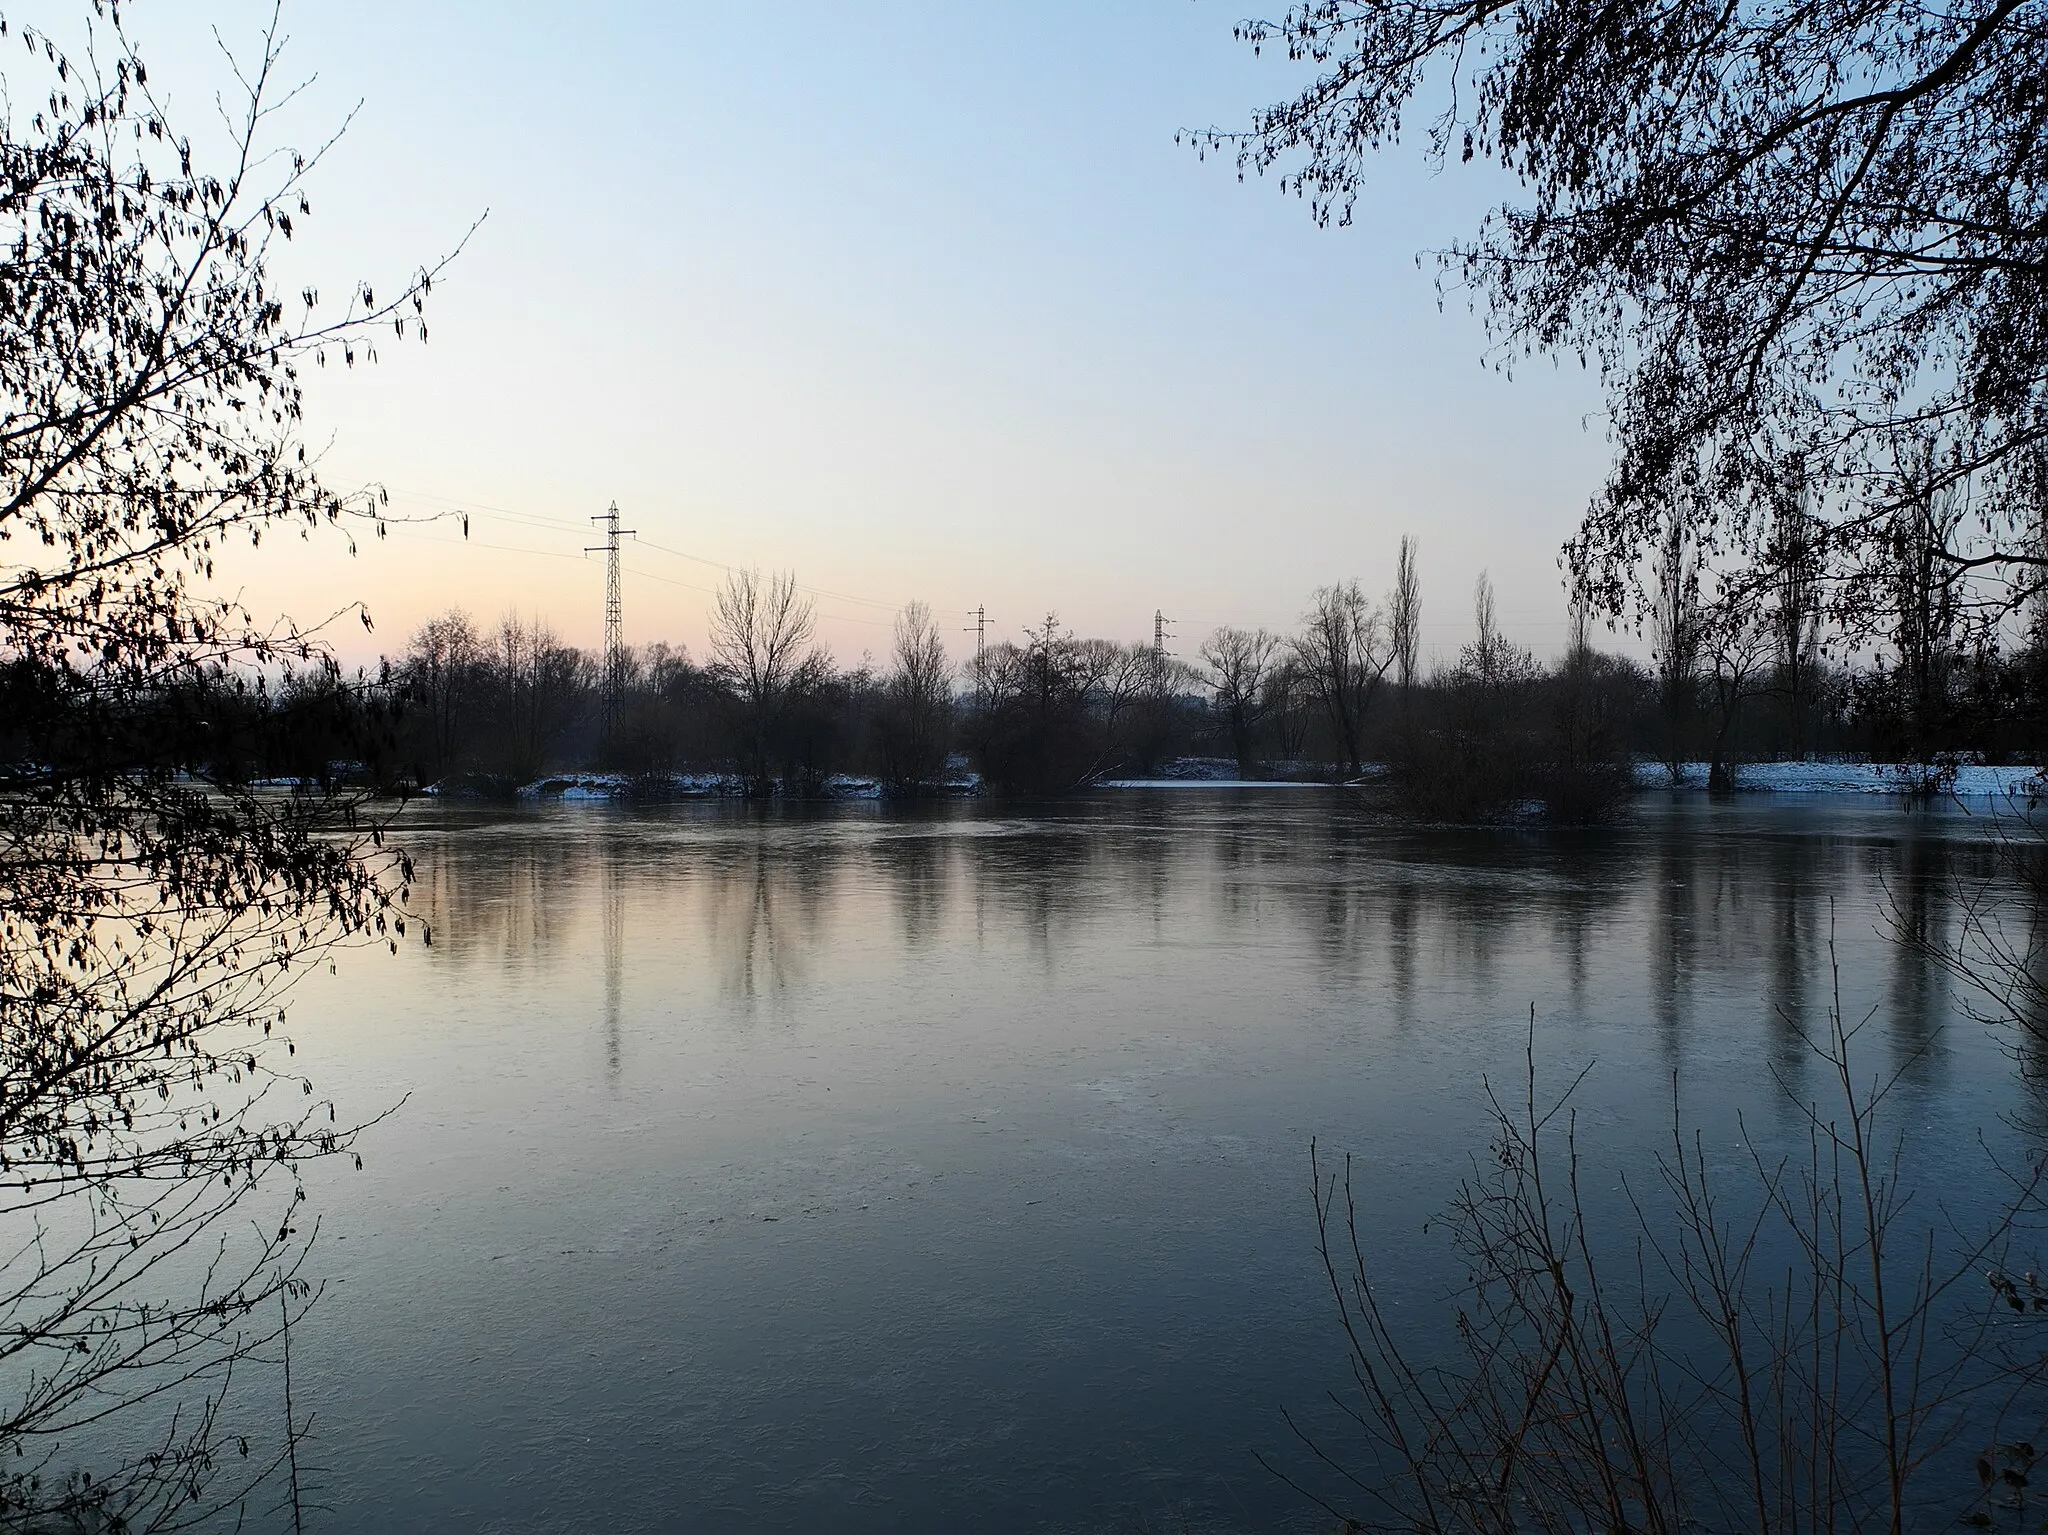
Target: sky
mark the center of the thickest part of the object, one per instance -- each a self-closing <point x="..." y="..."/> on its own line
<point x="918" y="301"/>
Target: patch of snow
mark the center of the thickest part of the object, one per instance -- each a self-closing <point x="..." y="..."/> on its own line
<point x="1972" y="781"/>
<point x="1210" y="783"/>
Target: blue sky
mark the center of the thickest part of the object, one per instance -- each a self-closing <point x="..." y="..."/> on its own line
<point x="918" y="300"/>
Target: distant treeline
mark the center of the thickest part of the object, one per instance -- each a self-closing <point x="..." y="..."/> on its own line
<point x="768" y="711"/>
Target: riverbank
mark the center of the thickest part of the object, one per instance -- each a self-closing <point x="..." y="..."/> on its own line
<point x="1968" y="782"/>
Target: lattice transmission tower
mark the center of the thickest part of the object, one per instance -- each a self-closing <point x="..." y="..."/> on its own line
<point x="1160" y="653"/>
<point x="980" y="633"/>
<point x="614" y="615"/>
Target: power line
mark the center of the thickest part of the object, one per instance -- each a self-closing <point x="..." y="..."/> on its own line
<point x="477" y="543"/>
<point x="632" y="570"/>
<point x="541" y="520"/>
<point x="1541" y="621"/>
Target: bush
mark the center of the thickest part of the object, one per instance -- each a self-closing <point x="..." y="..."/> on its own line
<point x="1812" y="1351"/>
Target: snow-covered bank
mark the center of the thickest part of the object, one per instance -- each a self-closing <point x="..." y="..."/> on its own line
<point x="1213" y="783"/>
<point x="660" y="786"/>
<point x="1970" y="782"/>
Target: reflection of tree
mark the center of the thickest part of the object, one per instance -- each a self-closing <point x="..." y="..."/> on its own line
<point x="1403" y="920"/>
<point x="499" y="894"/>
<point x="1794" y="904"/>
<point x="614" y="954"/>
<point x="1721" y="904"/>
<point x="1038" y="879"/>
<point x="765" y="900"/>
<point x="1583" y="894"/>
<point x="1341" y="911"/>
<point x="1156" y="840"/>
<point x="1474" y="895"/>
<point x="1993" y="943"/>
<point x="914" y="863"/>
<point x="1918" y="890"/>
<point x="517" y="895"/>
<point x="1673" y="938"/>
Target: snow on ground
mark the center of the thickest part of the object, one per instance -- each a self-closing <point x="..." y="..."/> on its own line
<point x="1848" y="778"/>
<point x="1971" y="782"/>
<point x="609" y="786"/>
<point x="1213" y="783"/>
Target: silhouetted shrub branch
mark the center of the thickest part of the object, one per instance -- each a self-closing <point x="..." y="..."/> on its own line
<point x="1808" y="1346"/>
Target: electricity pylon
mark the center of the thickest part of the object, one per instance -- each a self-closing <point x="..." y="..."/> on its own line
<point x="614" y="616"/>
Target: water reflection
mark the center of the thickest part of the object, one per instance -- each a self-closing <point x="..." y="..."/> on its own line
<point x="614" y="953"/>
<point x="964" y="1145"/>
<point x="1751" y="907"/>
<point x="496" y="898"/>
<point x="1404" y="918"/>
<point x="762" y="904"/>
<point x="1673" y="944"/>
<point x="915" y="864"/>
<point x="1041" y="878"/>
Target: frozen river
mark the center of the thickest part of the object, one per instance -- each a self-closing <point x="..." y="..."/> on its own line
<point x="862" y="1169"/>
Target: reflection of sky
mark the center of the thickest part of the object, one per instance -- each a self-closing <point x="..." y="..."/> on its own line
<point x="921" y="300"/>
<point x="925" y="1170"/>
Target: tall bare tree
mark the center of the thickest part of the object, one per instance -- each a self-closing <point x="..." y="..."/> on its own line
<point x="1344" y="656"/>
<point x="440" y="675"/>
<point x="1492" y="659"/>
<point x="762" y="633"/>
<point x="540" y="688"/>
<point x="1404" y="615"/>
<point x="1676" y="634"/>
<point x="1794" y="556"/>
<point x="1286" y="706"/>
<point x="1739" y="645"/>
<point x="916" y="720"/>
<point x="1926" y="602"/>
<point x="1240" y="665"/>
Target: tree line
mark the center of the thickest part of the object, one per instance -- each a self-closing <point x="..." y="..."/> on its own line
<point x="1347" y="695"/>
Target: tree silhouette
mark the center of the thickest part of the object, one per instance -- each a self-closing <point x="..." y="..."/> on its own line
<point x="1802" y="244"/>
<point x="156" y="902"/>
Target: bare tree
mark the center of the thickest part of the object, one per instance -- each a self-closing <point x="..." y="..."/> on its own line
<point x="1404" y="615"/>
<point x="1492" y="660"/>
<point x="1926" y="610"/>
<point x="1675" y="638"/>
<point x="1285" y="704"/>
<point x="1118" y="683"/>
<point x="761" y="646"/>
<point x="1061" y="711"/>
<point x="1793" y="558"/>
<point x="1344" y="655"/>
<point x="1739" y="642"/>
<point x="1240" y="665"/>
<point x="540" y="688"/>
<point x="439" y="674"/>
<point x="916" y="720"/>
